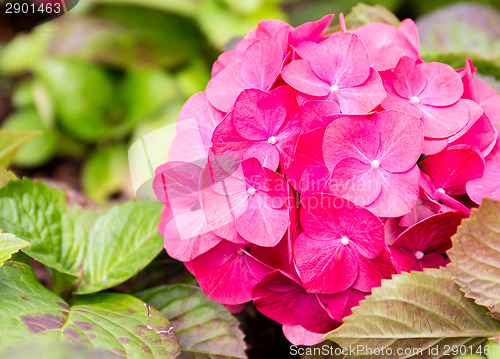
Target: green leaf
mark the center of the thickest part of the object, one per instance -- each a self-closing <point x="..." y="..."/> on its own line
<point x="82" y="93"/>
<point x="39" y="215"/>
<point x="11" y="141"/>
<point x="423" y="310"/>
<point x="54" y="349"/>
<point x="10" y="244"/>
<point x="6" y="176"/>
<point x="120" y="244"/>
<point x="205" y="329"/>
<point x="363" y="14"/>
<point x="117" y="323"/>
<point x="38" y="150"/>
<point x="475" y="255"/>
<point x="105" y="172"/>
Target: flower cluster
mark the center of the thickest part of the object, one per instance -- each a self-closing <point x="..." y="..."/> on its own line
<point x="317" y="164"/>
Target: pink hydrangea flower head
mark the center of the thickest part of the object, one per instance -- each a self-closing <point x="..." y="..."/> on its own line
<point x="488" y="185"/>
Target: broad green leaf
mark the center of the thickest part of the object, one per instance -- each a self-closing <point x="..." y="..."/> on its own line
<point x="117" y="323"/>
<point x="423" y="310"/>
<point x="205" y="329"/>
<point x="10" y="244"/>
<point x="105" y="172"/>
<point x="36" y="151"/>
<point x="475" y="255"/>
<point x="39" y="215"/>
<point x="120" y="244"/>
<point x="54" y="349"/>
<point x="6" y="176"/>
<point x="82" y="93"/>
<point x="11" y="141"/>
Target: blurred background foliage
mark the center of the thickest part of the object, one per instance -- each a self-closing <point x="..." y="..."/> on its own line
<point x="97" y="79"/>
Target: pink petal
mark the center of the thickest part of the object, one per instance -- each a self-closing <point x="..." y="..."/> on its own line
<point x="199" y="109"/>
<point x="227" y="273"/>
<point x="325" y="266"/>
<point x="398" y="195"/>
<point x="409" y="79"/>
<point x="441" y="122"/>
<point x="350" y="137"/>
<point x="401" y="140"/>
<point x="176" y="183"/>
<point x="261" y="64"/>
<point x="308" y="32"/>
<point x="223" y="89"/>
<point x="257" y="115"/>
<point x="301" y="77"/>
<point x="403" y="260"/>
<point x="434" y="145"/>
<point x="443" y="85"/>
<point x="482" y="135"/>
<point x="341" y="60"/>
<point x="362" y="98"/>
<point x="452" y="168"/>
<point x="299" y="336"/>
<point x="190" y="145"/>
<point x="432" y="234"/>
<point x="314" y="114"/>
<point x="488" y="185"/>
<point x="424" y="208"/>
<point x="433" y="260"/>
<point x="355" y="181"/>
<point x="260" y="224"/>
<point x="184" y="247"/>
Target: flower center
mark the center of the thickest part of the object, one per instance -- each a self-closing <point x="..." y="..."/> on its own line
<point x="440" y="190"/>
<point x="344" y="240"/>
<point x="334" y="89"/>
<point x="419" y="255"/>
<point x="272" y="140"/>
<point x="414" y="100"/>
<point x="251" y="191"/>
<point x="375" y="164"/>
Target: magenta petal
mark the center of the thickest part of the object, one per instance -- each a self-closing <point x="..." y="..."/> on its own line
<point x="408" y="79"/>
<point x="482" y="135"/>
<point x="309" y="31"/>
<point x="257" y="115"/>
<point x="372" y="271"/>
<point x="340" y="305"/>
<point x="176" y="183"/>
<point x="199" y="109"/>
<point x="362" y="98"/>
<point x="434" y="145"/>
<point x="297" y="335"/>
<point x="488" y="185"/>
<point x="301" y="77"/>
<point x="452" y="168"/>
<point x="401" y="140"/>
<point x="230" y="281"/>
<point x="261" y="64"/>
<point x="350" y="137"/>
<point x="403" y="260"/>
<point x="355" y="181"/>
<point x="398" y="195"/>
<point x="341" y="60"/>
<point x="432" y="234"/>
<point x="433" y="260"/>
<point x="324" y="266"/>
